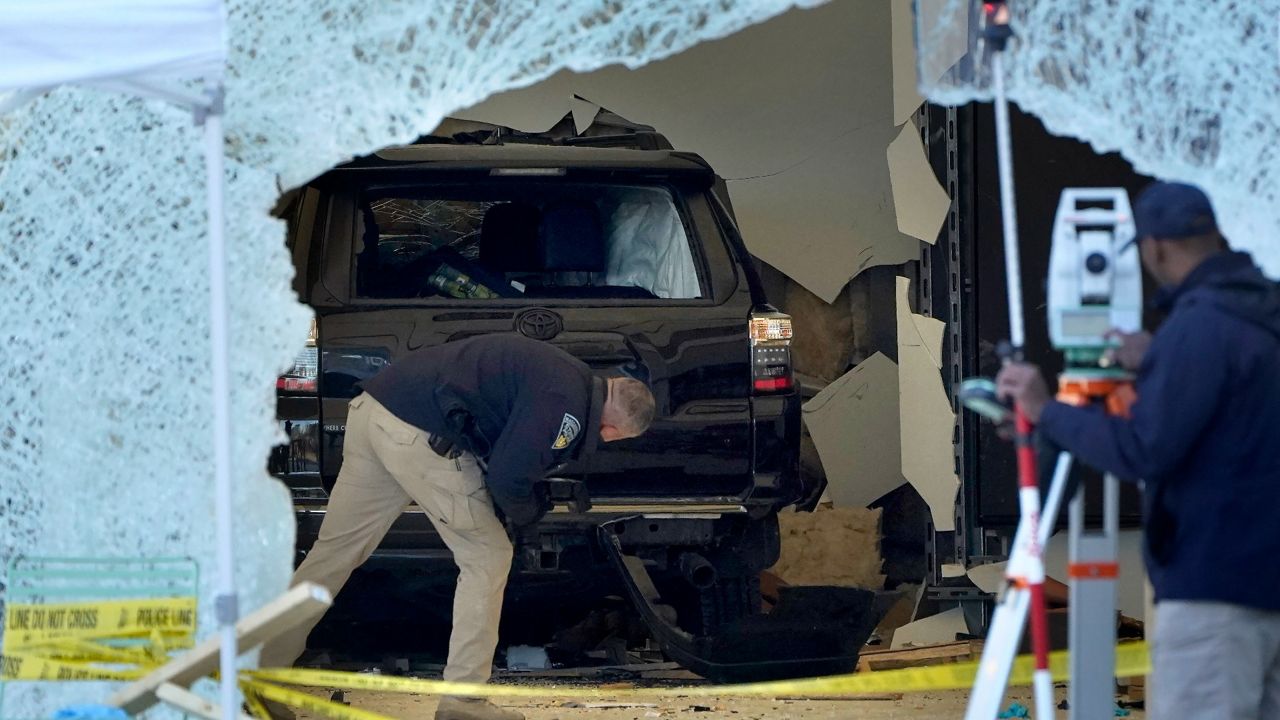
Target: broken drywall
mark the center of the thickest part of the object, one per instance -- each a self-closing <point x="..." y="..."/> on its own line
<point x="796" y="114"/>
<point x="839" y="546"/>
<point x="926" y="417"/>
<point x="989" y="578"/>
<point x="1184" y="90"/>
<point x="933" y="630"/>
<point x="104" y="394"/>
<point x="852" y="422"/>
<point x="864" y="452"/>
<point x="919" y="202"/>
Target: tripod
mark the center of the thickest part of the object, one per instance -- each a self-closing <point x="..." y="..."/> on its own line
<point x="1093" y="572"/>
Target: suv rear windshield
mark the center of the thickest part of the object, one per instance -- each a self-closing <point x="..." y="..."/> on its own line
<point x="539" y="241"/>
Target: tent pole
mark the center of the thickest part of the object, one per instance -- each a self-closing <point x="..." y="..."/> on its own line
<point x="227" y="600"/>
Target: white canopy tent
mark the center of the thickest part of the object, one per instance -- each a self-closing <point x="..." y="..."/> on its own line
<point x="174" y="50"/>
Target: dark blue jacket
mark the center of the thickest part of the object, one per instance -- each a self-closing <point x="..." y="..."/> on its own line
<point x="522" y="405"/>
<point x="1204" y="438"/>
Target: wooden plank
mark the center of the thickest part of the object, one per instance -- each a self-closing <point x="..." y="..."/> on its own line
<point x="873" y="660"/>
<point x="300" y="604"/>
<point x="190" y="703"/>
<point x="925" y="651"/>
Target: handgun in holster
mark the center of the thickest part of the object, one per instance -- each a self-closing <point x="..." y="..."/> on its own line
<point x="443" y="446"/>
<point x="572" y="493"/>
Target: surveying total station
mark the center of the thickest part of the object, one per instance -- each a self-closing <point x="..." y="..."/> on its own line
<point x="1095" y="287"/>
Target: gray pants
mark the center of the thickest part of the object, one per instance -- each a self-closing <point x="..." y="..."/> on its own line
<point x="1215" y="660"/>
<point x="386" y="464"/>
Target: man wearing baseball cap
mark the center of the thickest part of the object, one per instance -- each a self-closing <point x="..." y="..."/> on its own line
<point x="1204" y="440"/>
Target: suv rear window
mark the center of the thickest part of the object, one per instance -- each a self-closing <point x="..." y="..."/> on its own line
<point x="544" y="241"/>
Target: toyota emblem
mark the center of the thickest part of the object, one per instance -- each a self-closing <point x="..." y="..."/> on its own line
<point x="539" y="324"/>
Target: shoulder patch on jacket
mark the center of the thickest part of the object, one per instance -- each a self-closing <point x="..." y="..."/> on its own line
<point x="569" y="429"/>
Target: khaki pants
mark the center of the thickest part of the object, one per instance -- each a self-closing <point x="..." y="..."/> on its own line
<point x="1215" y="660"/>
<point x="387" y="463"/>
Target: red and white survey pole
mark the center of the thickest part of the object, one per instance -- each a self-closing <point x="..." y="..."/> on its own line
<point x="1029" y="572"/>
<point x="1026" y="566"/>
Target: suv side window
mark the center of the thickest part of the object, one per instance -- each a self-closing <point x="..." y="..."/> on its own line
<point x="536" y="241"/>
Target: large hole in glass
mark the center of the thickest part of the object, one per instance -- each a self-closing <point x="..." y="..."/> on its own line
<point x="106" y="419"/>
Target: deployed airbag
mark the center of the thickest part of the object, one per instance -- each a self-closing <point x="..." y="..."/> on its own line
<point x="648" y="247"/>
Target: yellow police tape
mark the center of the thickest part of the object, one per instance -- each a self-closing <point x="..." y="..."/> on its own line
<point x="254" y="702"/>
<point x="81" y="641"/>
<point x="38" y="624"/>
<point x="1131" y="660"/>
<point x="295" y="698"/>
<point x="105" y="640"/>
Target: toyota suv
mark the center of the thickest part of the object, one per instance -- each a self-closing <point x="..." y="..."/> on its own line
<point x="615" y="248"/>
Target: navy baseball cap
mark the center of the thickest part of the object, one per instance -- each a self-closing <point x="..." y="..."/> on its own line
<point x="1173" y="211"/>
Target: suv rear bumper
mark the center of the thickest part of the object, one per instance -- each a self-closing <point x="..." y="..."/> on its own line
<point x="556" y="542"/>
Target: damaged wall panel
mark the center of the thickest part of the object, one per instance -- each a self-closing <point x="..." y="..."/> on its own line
<point x="919" y="202"/>
<point x="852" y="422"/>
<point x="864" y="451"/>
<point x="926" y="418"/>
<point x="943" y="627"/>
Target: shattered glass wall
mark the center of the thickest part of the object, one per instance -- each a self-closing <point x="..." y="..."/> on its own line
<point x="104" y="398"/>
<point x="1184" y="90"/>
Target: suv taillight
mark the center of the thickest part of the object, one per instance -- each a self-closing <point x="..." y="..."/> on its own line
<point x="770" y="334"/>
<point x="303" y="376"/>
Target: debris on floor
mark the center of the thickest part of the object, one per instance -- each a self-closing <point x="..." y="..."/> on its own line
<point x="526" y="657"/>
<point x="902" y="607"/>
<point x="607" y="705"/>
<point x="937" y="705"/>
<point x="1134" y="689"/>
<point x="945" y="627"/>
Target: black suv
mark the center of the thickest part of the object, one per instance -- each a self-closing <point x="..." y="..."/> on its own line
<point x="613" y="247"/>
